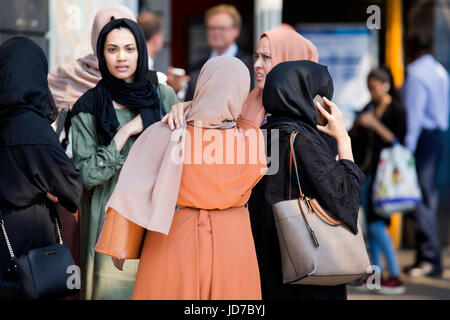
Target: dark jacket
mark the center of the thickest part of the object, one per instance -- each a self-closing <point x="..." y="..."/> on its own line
<point x="336" y="185"/>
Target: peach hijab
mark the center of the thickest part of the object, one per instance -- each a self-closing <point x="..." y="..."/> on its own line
<point x="147" y="190"/>
<point x="285" y="45"/>
<point x="69" y="81"/>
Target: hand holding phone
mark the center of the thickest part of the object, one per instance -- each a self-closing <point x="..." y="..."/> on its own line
<point x="321" y="119"/>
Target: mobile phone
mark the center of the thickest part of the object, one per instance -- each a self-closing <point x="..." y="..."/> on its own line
<point x="321" y="119"/>
<point x="178" y="72"/>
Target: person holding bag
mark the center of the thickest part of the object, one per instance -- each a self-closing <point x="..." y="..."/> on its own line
<point x="35" y="172"/>
<point x="381" y="123"/>
<point x="288" y="96"/>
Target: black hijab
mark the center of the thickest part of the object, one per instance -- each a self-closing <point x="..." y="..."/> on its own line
<point x="26" y="104"/>
<point x="140" y="94"/>
<point x="290" y="89"/>
<point x="289" y="94"/>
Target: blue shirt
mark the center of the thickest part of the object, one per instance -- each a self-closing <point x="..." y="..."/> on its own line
<point x="426" y="98"/>
<point x="230" y="52"/>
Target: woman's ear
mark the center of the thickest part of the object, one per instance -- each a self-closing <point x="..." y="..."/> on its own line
<point x="386" y="87"/>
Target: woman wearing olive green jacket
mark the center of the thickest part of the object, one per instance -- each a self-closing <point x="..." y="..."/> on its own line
<point x="106" y="121"/>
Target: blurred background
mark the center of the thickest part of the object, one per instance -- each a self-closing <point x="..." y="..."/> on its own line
<point x="351" y="38"/>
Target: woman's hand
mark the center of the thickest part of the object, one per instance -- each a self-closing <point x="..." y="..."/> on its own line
<point x="52" y="197"/>
<point x="175" y="118"/>
<point x="336" y="129"/>
<point x="129" y="129"/>
<point x="135" y="126"/>
<point x="118" y="263"/>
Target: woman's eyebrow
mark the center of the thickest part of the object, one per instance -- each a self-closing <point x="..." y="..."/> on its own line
<point x="115" y="45"/>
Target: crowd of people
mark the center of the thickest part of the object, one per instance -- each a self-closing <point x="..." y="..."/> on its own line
<point x="133" y="165"/>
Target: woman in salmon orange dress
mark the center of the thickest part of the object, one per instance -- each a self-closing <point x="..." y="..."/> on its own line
<point x="185" y="193"/>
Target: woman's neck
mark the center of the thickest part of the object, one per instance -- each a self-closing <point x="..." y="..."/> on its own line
<point x="120" y="106"/>
<point x="382" y="105"/>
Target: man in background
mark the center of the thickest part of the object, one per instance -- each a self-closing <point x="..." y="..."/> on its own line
<point x="223" y="26"/>
<point x="152" y="26"/>
<point x="426" y="98"/>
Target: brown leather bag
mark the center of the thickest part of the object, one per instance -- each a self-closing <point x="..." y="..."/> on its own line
<point x="315" y="248"/>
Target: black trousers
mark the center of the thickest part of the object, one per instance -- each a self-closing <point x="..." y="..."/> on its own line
<point x="428" y="156"/>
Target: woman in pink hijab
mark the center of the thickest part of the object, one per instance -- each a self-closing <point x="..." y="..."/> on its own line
<point x="277" y="45"/>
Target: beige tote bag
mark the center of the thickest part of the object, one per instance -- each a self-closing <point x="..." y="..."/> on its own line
<point x="315" y="248"/>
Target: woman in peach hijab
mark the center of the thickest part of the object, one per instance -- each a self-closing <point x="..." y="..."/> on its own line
<point x="277" y="45"/>
<point x="187" y="198"/>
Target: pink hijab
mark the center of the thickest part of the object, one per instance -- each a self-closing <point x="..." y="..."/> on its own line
<point x="71" y="80"/>
<point x="285" y="45"/>
<point x="147" y="190"/>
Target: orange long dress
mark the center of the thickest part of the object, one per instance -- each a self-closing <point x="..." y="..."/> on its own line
<point x="209" y="252"/>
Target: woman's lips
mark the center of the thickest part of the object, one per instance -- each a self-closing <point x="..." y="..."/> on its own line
<point x="122" y="68"/>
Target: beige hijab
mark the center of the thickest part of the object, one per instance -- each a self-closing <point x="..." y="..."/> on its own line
<point x="147" y="190"/>
<point x="71" y="80"/>
<point x="285" y="45"/>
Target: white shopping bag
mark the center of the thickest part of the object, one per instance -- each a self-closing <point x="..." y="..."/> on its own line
<point x="396" y="187"/>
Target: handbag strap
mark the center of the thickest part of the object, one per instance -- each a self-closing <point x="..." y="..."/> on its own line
<point x="8" y="243"/>
<point x="292" y="158"/>
<point x="311" y="204"/>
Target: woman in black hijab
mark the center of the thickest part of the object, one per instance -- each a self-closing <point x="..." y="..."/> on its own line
<point x="33" y="166"/>
<point x="106" y="121"/>
<point x="336" y="184"/>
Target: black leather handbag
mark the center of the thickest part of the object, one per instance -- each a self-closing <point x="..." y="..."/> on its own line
<point x="42" y="273"/>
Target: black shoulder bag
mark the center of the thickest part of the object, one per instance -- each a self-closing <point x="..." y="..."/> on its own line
<point x="40" y="273"/>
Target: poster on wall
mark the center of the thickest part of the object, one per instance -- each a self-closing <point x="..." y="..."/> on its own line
<point x="350" y="52"/>
<point x="70" y="27"/>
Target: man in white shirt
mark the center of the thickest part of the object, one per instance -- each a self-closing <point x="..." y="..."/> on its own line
<point x="152" y="25"/>
<point x="426" y="98"/>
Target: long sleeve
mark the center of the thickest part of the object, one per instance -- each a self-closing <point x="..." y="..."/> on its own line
<point x="97" y="163"/>
<point x="38" y="169"/>
<point x="61" y="178"/>
<point x="415" y="99"/>
<point x="120" y="238"/>
<point x="335" y="184"/>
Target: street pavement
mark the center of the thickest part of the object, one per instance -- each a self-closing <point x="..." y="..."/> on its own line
<point x="423" y="288"/>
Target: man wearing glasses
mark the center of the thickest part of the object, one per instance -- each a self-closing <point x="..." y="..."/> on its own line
<point x="223" y="25"/>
